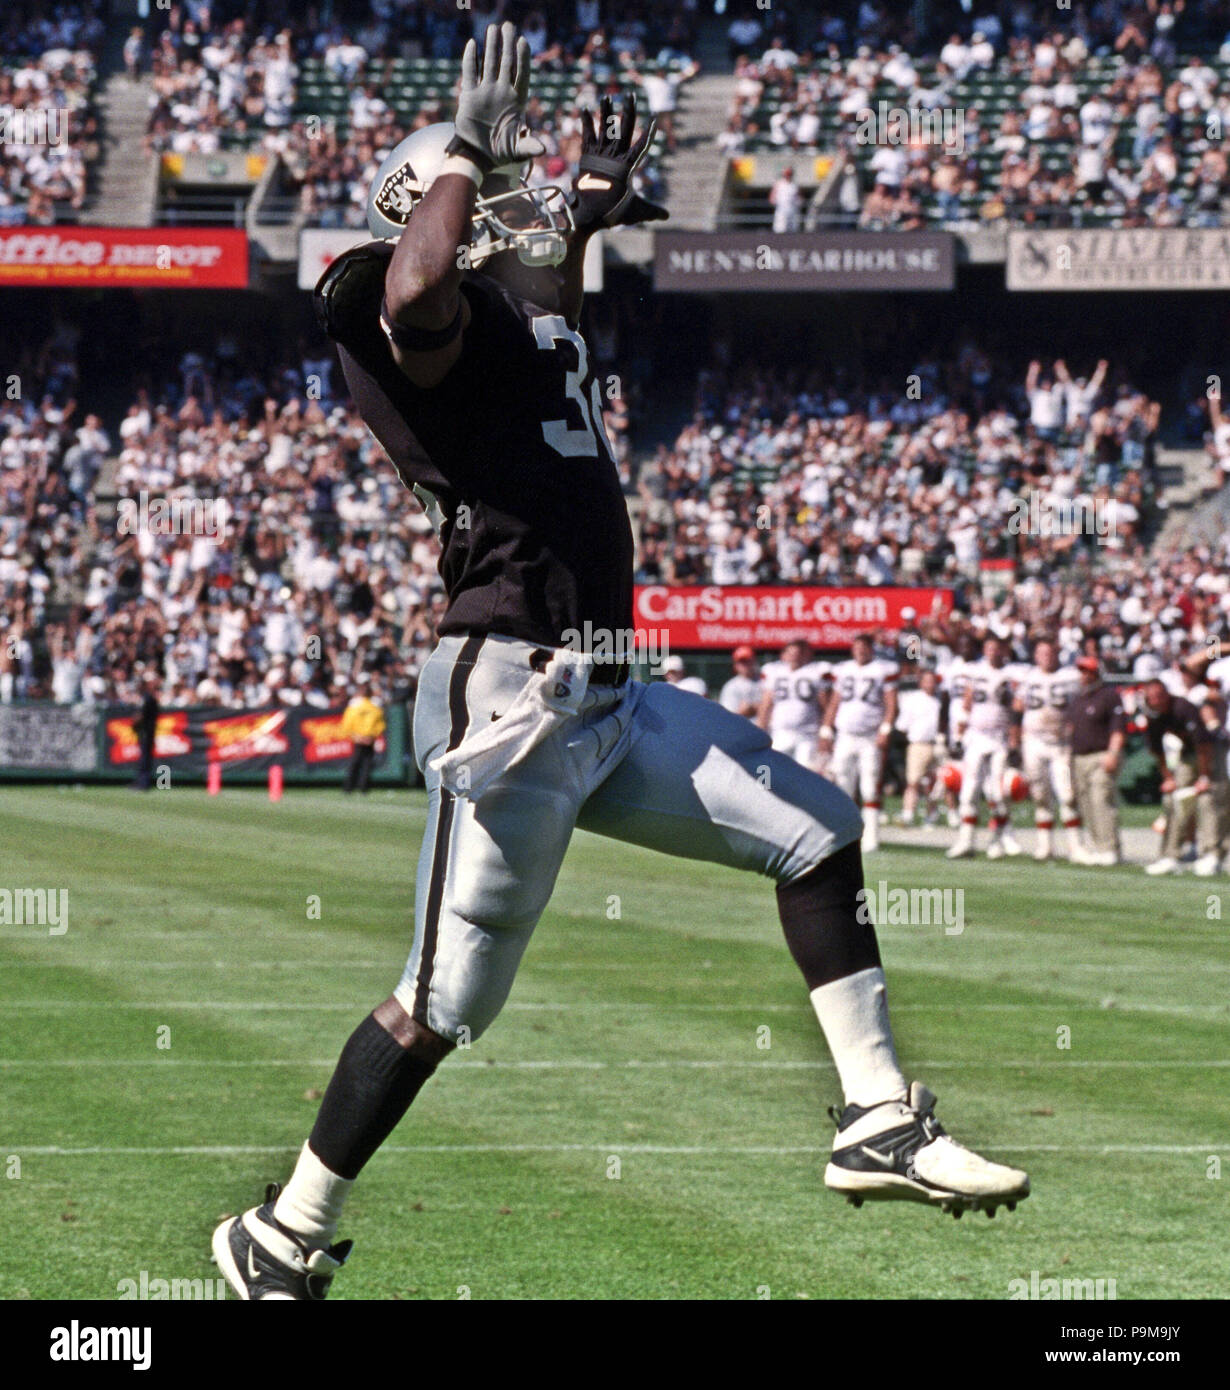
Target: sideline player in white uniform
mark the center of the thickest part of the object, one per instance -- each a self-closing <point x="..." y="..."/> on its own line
<point x="859" y="718"/>
<point x="955" y="677"/>
<point x="989" y="737"/>
<point x="790" y="705"/>
<point x="1043" y="695"/>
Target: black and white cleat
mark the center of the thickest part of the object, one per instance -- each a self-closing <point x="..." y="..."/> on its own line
<point x="262" y="1259"/>
<point x="898" y="1151"/>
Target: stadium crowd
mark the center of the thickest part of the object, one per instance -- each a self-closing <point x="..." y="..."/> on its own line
<point x="297" y="570"/>
<point x="48" y="70"/>
<point x="305" y="563"/>
<point x="821" y="477"/>
<point x="302" y="564"/>
<point x="1139" y="142"/>
<point x="225" y="78"/>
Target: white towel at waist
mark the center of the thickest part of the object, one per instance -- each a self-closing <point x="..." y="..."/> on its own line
<point x="547" y="699"/>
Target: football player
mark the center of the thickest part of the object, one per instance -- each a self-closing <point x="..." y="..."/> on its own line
<point x="457" y="329"/>
<point x="990" y="736"/>
<point x="794" y="688"/>
<point x="954" y="678"/>
<point x="859" y="718"/>
<point x="1043" y="694"/>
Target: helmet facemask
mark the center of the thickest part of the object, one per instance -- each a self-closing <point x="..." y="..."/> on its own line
<point x="535" y="221"/>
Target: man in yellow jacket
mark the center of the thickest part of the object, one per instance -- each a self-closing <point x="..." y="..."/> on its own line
<point x="362" y="723"/>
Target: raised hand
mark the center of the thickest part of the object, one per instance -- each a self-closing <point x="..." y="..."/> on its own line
<point x="602" y="195"/>
<point x="490" y="123"/>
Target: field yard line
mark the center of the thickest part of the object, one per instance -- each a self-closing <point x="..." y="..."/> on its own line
<point x="87" y="963"/>
<point x="267" y="936"/>
<point x="977" y="935"/>
<point x="582" y="1064"/>
<point x="776" y="1151"/>
<point x="591" y="1006"/>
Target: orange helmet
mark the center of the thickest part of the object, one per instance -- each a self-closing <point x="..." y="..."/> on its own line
<point x="1015" y="787"/>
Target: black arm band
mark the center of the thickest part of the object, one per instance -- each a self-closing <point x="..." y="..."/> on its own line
<point x="411" y="339"/>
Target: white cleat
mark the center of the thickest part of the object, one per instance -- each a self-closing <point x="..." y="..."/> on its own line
<point x="898" y="1151"/>
<point x="1012" y="846"/>
<point x="1101" y="858"/>
<point x="996" y="850"/>
<point x="963" y="845"/>
<point x="1165" y="865"/>
<point x="1206" y="866"/>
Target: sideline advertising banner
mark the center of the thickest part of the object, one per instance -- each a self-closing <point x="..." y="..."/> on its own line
<point x="305" y="741"/>
<point x="124" y="257"/>
<point x="696" y="617"/>
<point x="804" y="261"/>
<point x="1128" y="258"/>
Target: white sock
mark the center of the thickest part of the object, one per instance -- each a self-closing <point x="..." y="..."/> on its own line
<point x="311" y="1202"/>
<point x="871" y="820"/>
<point x="853" y="1013"/>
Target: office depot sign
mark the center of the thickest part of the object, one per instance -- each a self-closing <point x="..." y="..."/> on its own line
<point x="133" y="257"/>
<point x="766" y="617"/>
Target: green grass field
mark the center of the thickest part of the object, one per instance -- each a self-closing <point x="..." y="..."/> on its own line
<point x="629" y="1047"/>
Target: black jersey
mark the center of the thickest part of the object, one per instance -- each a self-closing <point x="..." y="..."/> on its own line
<point x="508" y="454"/>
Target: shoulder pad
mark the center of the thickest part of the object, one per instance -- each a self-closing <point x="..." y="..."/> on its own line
<point x="353" y="283"/>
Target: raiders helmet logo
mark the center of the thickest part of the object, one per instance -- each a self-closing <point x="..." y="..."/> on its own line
<point x="395" y="198"/>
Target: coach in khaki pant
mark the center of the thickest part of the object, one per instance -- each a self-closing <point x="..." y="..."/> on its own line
<point x="1097" y="728"/>
<point x="1194" y="785"/>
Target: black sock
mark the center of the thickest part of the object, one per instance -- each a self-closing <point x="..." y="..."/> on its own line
<point x="826" y="922"/>
<point x="371" y="1089"/>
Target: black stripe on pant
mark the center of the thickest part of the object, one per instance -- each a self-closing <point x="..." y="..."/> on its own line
<point x="459" y="717"/>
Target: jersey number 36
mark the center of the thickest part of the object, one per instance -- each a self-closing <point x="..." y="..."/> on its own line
<point x="549" y="331"/>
